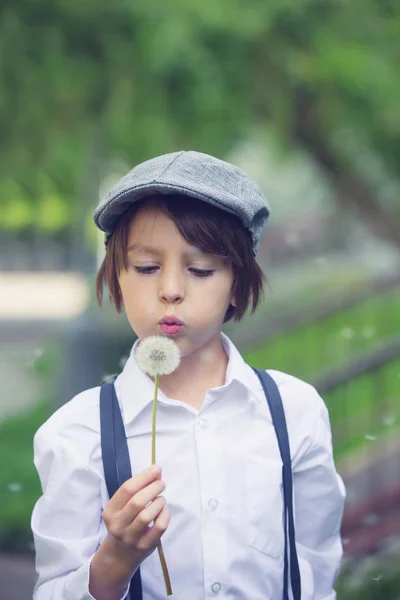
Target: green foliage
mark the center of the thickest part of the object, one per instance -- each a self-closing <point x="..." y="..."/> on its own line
<point x="19" y="483"/>
<point x="379" y="580"/>
<point x="331" y="342"/>
<point x="134" y="79"/>
<point x="369" y="405"/>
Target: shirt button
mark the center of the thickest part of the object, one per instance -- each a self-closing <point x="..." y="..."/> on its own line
<point x="213" y="504"/>
<point x="216" y="587"/>
<point x="203" y="423"/>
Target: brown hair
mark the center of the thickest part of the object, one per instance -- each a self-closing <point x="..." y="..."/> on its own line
<point x="203" y="225"/>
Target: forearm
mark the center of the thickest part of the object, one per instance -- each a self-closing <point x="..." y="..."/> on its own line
<point x="110" y="572"/>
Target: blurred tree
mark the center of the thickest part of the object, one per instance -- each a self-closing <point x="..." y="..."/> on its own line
<point x="86" y="83"/>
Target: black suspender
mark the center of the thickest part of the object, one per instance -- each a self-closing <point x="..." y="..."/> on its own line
<point x="117" y="469"/>
<point x="278" y="418"/>
<point x="116" y="461"/>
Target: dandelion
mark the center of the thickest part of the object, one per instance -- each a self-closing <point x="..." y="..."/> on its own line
<point x="158" y="355"/>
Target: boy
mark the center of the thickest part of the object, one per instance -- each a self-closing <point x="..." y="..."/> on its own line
<point x="182" y="232"/>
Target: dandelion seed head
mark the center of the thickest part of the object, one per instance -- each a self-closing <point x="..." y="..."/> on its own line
<point x="158" y="355"/>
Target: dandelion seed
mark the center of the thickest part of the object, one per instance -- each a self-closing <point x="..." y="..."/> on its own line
<point x="345" y="541"/>
<point x="15" y="487"/>
<point x="347" y="333"/>
<point x="368" y="332"/>
<point x="370" y="519"/>
<point x="372" y="438"/>
<point x="388" y="420"/>
<point x="158" y="355"/>
<point x="122" y="361"/>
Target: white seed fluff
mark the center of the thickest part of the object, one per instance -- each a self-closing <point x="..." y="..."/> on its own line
<point x="158" y="355"/>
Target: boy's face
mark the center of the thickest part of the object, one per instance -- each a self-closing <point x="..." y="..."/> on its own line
<point x="166" y="276"/>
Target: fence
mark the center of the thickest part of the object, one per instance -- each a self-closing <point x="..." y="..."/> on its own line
<point x="363" y="399"/>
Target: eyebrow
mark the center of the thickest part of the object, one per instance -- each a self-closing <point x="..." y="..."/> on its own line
<point x="144" y="248"/>
<point x="151" y="250"/>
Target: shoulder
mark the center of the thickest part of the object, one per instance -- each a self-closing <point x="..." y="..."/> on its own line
<point x="298" y="396"/>
<point x="77" y="418"/>
<point x="305" y="411"/>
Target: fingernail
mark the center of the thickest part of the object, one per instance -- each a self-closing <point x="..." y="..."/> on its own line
<point x="155" y="470"/>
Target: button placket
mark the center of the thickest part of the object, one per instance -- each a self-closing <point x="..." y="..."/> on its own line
<point x="211" y="465"/>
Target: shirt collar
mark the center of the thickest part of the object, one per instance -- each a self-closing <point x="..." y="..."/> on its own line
<point x="135" y="389"/>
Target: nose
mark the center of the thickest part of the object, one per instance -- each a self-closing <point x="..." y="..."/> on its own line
<point x="171" y="290"/>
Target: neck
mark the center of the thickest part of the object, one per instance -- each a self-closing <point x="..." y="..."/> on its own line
<point x="198" y="372"/>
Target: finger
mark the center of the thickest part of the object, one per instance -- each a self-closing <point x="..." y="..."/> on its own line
<point x="141" y="524"/>
<point x="132" y="486"/>
<point x="144" y="523"/>
<point x="139" y="502"/>
<point x="152" y="535"/>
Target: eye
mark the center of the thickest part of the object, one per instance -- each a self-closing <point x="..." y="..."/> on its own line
<point x="146" y="270"/>
<point x="202" y="272"/>
<point x="196" y="272"/>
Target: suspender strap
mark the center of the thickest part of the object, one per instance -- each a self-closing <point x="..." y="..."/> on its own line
<point x="116" y="461"/>
<point x="278" y="418"/>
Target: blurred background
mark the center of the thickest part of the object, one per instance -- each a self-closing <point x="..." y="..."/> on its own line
<point x="305" y="98"/>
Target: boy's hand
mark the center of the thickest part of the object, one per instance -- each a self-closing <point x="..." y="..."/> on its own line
<point x="130" y="511"/>
<point x="130" y="539"/>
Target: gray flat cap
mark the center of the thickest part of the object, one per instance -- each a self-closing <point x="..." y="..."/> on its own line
<point x="192" y="174"/>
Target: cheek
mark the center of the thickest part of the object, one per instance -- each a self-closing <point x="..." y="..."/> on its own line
<point x="133" y="292"/>
<point x="216" y="298"/>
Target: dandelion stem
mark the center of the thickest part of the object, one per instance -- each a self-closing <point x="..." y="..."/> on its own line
<point x="153" y="461"/>
<point x="153" y="427"/>
<point x="164" y="569"/>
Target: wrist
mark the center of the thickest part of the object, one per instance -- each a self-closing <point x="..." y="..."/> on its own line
<point x="118" y="554"/>
<point x="111" y="570"/>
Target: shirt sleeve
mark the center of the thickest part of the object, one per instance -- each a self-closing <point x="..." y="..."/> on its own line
<point x="66" y="519"/>
<point x="319" y="496"/>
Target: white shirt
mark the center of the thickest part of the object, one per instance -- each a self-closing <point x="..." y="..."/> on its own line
<point x="222" y="469"/>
